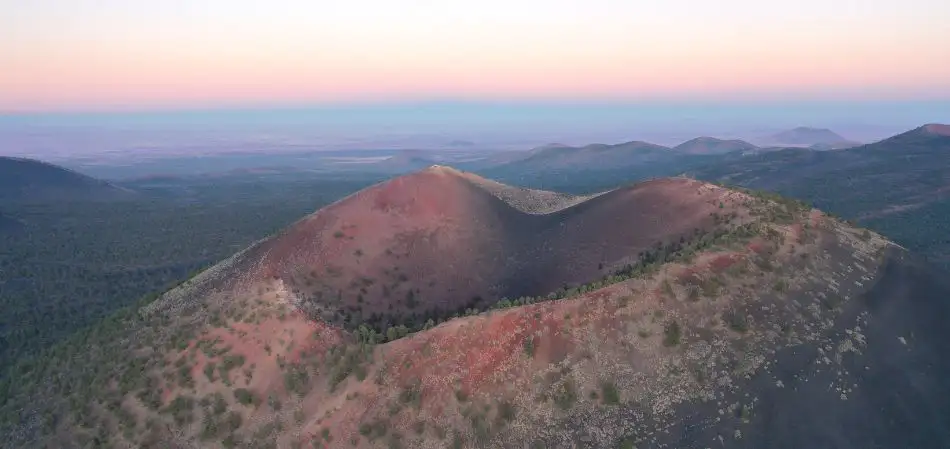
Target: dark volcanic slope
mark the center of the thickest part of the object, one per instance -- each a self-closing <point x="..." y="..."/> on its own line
<point x="888" y="389"/>
<point x="32" y="180"/>
<point x="439" y="241"/>
<point x="711" y="145"/>
<point x="874" y="375"/>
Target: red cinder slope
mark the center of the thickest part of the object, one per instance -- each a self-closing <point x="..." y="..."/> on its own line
<point x="439" y="241"/>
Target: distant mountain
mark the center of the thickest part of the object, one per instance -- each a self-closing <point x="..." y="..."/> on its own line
<point x="712" y="145"/>
<point x="930" y="136"/>
<point x="31" y="180"/>
<point x="806" y="136"/>
<point x="556" y="157"/>
<point x="899" y="186"/>
<point x="938" y="129"/>
<point x="406" y="161"/>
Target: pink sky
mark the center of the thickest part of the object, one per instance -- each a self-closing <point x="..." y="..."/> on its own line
<point x="79" y="54"/>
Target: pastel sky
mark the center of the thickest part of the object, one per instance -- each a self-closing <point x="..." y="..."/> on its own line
<point x="119" y="54"/>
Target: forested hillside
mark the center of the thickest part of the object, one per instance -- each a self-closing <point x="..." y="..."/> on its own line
<point x="72" y="263"/>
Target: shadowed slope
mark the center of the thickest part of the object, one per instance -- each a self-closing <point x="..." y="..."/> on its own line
<point x="31" y="180"/>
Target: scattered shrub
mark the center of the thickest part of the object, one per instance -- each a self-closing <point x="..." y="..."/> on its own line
<point x="737" y="321"/>
<point x="609" y="393"/>
<point x="672" y="334"/>
<point x="565" y="395"/>
<point x="244" y="396"/>
<point x="529" y="346"/>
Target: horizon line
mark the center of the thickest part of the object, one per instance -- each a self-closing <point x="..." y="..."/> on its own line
<point x="358" y="104"/>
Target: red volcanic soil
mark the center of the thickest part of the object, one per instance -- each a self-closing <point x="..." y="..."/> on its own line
<point x="938" y="129"/>
<point x="435" y="242"/>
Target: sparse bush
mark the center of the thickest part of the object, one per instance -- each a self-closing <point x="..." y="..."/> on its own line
<point x="506" y="411"/>
<point x="296" y="379"/>
<point x="244" y="396"/>
<point x="781" y="285"/>
<point x="667" y="288"/>
<point x="419" y="427"/>
<point x="627" y="443"/>
<point x="565" y="395"/>
<point x="220" y="405"/>
<point x="529" y="346"/>
<point x="737" y="321"/>
<point x="609" y="393"/>
<point x="209" y="371"/>
<point x="672" y="334"/>
<point x="711" y="287"/>
<point x="365" y="429"/>
<point x="412" y="393"/>
<point x="181" y="409"/>
<point x="831" y="302"/>
<point x="360" y="372"/>
<point x="273" y="402"/>
<point x="744" y="413"/>
<point x="184" y="377"/>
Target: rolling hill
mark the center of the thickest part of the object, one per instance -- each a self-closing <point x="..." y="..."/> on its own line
<point x="805" y="136"/>
<point x="591" y="157"/>
<point x="28" y="180"/>
<point x="671" y="313"/>
<point x="711" y="145"/>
